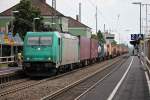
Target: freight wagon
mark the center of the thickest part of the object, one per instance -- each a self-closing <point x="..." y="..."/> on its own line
<point x="109" y="50"/>
<point x="118" y="50"/>
<point x="102" y="52"/>
<point x="114" y="50"/>
<point x="85" y="50"/>
<point x="51" y="52"/>
<point x="93" y="50"/>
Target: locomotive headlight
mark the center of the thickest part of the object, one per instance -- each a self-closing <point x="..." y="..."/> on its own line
<point x="49" y="58"/>
<point x="28" y="58"/>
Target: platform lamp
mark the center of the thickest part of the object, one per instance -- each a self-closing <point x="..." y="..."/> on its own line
<point x="139" y="3"/>
<point x="13" y="12"/>
<point x="12" y="28"/>
<point x="34" y="19"/>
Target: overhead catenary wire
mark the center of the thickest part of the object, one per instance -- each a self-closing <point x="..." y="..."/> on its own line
<point x="102" y="17"/>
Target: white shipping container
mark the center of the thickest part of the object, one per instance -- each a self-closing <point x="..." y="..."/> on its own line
<point x="70" y="49"/>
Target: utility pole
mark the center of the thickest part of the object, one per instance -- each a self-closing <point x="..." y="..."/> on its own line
<point x="117" y="29"/>
<point x="80" y="12"/>
<point x="140" y="18"/>
<point x="146" y="6"/>
<point x="104" y="28"/>
<point x="146" y="20"/>
<point x="96" y="19"/>
<point x="146" y="30"/>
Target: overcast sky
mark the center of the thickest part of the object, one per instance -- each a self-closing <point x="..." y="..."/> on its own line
<point x="108" y="12"/>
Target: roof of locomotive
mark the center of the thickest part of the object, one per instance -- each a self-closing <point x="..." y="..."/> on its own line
<point x="58" y="34"/>
<point x="38" y="33"/>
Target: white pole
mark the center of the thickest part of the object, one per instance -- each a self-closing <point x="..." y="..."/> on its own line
<point x="118" y="17"/>
<point x="96" y="19"/>
<point x="144" y="51"/>
<point x="12" y="53"/>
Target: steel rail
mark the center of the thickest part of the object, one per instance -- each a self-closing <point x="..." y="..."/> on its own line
<point x="55" y="94"/>
<point x="3" y="93"/>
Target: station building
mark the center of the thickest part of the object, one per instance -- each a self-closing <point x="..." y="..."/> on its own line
<point x="109" y="37"/>
<point x="51" y="17"/>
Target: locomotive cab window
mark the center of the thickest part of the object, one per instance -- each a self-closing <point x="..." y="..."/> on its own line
<point x="33" y="41"/>
<point x="42" y="41"/>
<point x="47" y="41"/>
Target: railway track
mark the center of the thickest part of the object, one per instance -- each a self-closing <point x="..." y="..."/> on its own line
<point x="30" y="83"/>
<point x="27" y="80"/>
<point x="12" y="83"/>
<point x="33" y="83"/>
<point x="75" y="89"/>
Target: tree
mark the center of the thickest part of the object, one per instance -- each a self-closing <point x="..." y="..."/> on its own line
<point x="94" y="36"/>
<point x="23" y="21"/>
<point x="100" y="37"/>
<point x="114" y="42"/>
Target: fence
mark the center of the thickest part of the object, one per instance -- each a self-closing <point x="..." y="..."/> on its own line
<point x="9" y="59"/>
<point x="148" y="64"/>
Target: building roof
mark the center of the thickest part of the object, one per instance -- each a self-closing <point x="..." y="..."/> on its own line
<point x="45" y="9"/>
<point x="75" y="23"/>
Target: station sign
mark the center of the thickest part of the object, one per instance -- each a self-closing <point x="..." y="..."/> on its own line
<point x="137" y="36"/>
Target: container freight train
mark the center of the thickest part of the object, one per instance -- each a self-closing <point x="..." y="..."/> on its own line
<point x="49" y="52"/>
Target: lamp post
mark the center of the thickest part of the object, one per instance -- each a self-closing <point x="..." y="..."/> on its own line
<point x="34" y="19"/>
<point x="118" y="17"/>
<point x="1" y="48"/>
<point x="139" y="3"/>
<point x="12" y="28"/>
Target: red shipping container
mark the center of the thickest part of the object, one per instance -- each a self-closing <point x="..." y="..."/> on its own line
<point x="94" y="48"/>
<point x="84" y="48"/>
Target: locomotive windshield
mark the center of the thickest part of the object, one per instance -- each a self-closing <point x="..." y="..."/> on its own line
<point x="42" y="41"/>
<point x="45" y="40"/>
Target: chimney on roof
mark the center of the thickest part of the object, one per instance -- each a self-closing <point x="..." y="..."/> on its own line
<point x="77" y="17"/>
<point x="54" y="4"/>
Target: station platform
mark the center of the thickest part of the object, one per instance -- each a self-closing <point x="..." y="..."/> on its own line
<point x="129" y="82"/>
<point x="6" y="70"/>
<point x="136" y="83"/>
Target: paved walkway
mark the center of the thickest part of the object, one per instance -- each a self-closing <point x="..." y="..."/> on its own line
<point x="133" y="87"/>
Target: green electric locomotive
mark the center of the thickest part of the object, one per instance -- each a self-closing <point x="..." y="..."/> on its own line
<point x="46" y="52"/>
